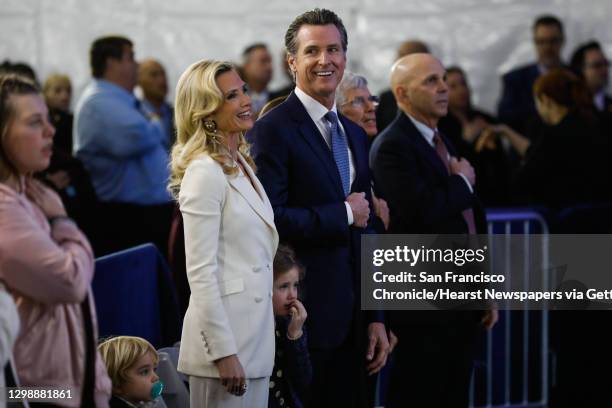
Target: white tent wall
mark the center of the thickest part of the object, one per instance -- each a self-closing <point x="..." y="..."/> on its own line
<point x="485" y="37"/>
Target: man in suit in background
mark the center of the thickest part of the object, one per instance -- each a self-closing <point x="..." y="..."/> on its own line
<point x="257" y="72"/>
<point x="516" y="106"/>
<point x="387" y="109"/>
<point x="313" y="164"/>
<point x="590" y="63"/>
<point x="429" y="191"/>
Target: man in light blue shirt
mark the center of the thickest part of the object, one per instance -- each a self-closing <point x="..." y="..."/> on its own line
<point x="121" y="148"/>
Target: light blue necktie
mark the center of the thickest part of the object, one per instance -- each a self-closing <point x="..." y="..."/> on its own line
<point x="340" y="151"/>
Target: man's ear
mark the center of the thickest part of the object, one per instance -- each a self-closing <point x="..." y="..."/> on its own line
<point x="110" y="65"/>
<point x="401" y="94"/>
<point x="291" y="61"/>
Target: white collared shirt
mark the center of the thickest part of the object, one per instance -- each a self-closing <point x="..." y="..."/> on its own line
<point x="428" y="134"/>
<point x="599" y="100"/>
<point x="258" y="100"/>
<point x="317" y="113"/>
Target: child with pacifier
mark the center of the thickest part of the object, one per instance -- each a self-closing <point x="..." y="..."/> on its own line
<point x="131" y="363"/>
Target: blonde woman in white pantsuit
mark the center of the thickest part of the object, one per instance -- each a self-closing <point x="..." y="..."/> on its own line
<point x="227" y="344"/>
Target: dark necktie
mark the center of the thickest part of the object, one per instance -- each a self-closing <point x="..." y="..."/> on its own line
<point x="340" y="151"/>
<point x="468" y="214"/>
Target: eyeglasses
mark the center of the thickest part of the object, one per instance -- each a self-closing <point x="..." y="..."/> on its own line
<point x="360" y="101"/>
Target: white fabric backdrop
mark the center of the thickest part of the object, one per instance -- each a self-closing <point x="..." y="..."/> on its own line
<point x="485" y="37"/>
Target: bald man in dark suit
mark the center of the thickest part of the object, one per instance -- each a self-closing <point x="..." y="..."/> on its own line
<point x="428" y="191"/>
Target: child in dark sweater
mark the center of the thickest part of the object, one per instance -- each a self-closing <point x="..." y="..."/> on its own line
<point x="292" y="369"/>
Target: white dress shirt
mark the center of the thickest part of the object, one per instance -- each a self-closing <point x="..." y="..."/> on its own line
<point x="428" y="133"/>
<point x="317" y="113"/>
<point x="599" y="100"/>
<point x="258" y="100"/>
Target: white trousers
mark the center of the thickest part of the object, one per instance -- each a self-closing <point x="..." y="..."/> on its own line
<point x="209" y="393"/>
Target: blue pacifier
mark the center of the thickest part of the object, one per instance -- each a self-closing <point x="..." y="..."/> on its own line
<point x="157" y="389"/>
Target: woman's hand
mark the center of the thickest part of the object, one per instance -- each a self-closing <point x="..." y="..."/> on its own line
<point x="472" y="129"/>
<point x="519" y="142"/>
<point x="486" y="141"/>
<point x="60" y="179"/>
<point x="45" y="198"/>
<point x="298" y="316"/>
<point x="232" y="374"/>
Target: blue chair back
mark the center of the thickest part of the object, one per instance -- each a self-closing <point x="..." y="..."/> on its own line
<point x="134" y="296"/>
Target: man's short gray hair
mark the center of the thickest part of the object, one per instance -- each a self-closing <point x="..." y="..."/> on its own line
<point x="350" y="81"/>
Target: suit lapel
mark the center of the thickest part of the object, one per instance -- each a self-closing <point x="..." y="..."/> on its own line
<point x="427" y="151"/>
<point x="258" y="200"/>
<point x="311" y="135"/>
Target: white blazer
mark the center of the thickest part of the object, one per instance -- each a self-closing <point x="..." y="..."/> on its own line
<point x="230" y="243"/>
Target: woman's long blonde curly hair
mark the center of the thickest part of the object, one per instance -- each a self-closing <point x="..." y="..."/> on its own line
<point x="197" y="98"/>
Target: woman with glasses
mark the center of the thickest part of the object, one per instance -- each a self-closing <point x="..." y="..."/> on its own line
<point x="354" y="100"/>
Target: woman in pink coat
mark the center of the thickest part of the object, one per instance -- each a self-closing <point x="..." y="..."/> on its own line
<point x="46" y="262"/>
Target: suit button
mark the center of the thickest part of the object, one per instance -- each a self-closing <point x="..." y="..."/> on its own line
<point x="258" y="299"/>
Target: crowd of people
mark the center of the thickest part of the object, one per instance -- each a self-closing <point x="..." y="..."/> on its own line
<point x="260" y="199"/>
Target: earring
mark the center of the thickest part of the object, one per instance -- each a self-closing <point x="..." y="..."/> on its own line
<point x="210" y="125"/>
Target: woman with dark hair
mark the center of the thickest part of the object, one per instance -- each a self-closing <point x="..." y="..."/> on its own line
<point x="46" y="262"/>
<point x="564" y="164"/>
<point x="470" y="130"/>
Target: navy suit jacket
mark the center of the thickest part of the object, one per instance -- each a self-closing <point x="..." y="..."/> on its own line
<point x="299" y="174"/>
<point x="386" y="111"/>
<point x="422" y="197"/>
<point x="517" y="106"/>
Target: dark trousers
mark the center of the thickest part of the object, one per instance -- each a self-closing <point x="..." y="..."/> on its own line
<point x="433" y="367"/>
<point x="582" y="342"/>
<point x="339" y="377"/>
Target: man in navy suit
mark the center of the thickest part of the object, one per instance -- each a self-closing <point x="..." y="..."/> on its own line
<point x="516" y="106"/>
<point x="428" y="191"/>
<point x="590" y="63"/>
<point x="313" y="164"/>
